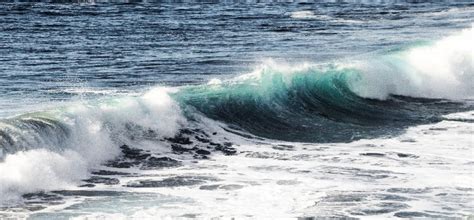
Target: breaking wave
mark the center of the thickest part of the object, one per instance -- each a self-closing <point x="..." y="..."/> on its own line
<point x="337" y="102"/>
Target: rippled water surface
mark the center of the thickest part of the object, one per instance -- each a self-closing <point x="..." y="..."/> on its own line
<point x="51" y="52"/>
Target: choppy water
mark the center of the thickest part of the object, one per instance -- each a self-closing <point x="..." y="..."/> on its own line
<point x="250" y="110"/>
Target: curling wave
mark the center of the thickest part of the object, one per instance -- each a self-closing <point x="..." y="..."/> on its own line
<point x="344" y="101"/>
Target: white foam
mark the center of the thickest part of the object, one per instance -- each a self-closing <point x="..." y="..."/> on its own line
<point x="96" y="132"/>
<point x="40" y="169"/>
<point x="214" y="81"/>
<point x="302" y="15"/>
<point x="296" y="183"/>
<point x="315" y="180"/>
<point x="443" y="69"/>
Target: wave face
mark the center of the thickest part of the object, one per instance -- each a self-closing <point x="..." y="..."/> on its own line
<point x="310" y="105"/>
<point x="343" y="102"/>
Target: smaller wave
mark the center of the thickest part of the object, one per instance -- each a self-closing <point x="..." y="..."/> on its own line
<point x="308" y="15"/>
<point x="56" y="148"/>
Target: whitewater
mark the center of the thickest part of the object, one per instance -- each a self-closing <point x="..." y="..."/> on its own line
<point x="384" y="133"/>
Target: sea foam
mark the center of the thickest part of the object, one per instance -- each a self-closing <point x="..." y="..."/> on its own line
<point x="442" y="69"/>
<point x="94" y="131"/>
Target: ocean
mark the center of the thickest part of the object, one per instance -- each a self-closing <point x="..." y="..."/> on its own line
<point x="358" y="109"/>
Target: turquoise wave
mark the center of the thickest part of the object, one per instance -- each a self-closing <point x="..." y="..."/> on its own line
<point x="315" y="104"/>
